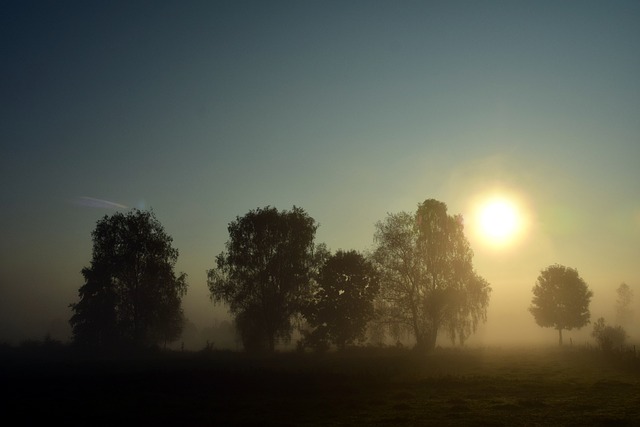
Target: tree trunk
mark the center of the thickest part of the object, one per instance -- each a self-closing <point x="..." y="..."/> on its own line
<point x="433" y="336"/>
<point x="426" y="342"/>
<point x="421" y="346"/>
<point x="560" y="337"/>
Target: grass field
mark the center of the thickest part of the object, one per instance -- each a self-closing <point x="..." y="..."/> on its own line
<point x="385" y="387"/>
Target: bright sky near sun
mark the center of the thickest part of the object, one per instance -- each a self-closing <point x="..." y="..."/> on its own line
<point x="498" y="221"/>
<point x="524" y="117"/>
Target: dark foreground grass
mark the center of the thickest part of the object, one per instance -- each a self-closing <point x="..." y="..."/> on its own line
<point x="510" y="387"/>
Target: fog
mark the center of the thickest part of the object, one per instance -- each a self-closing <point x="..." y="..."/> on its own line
<point x="31" y="311"/>
<point x="204" y="111"/>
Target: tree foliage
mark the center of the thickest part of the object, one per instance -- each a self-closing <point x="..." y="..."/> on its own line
<point x="609" y="337"/>
<point x="342" y="304"/>
<point x="560" y="299"/>
<point x="131" y="295"/>
<point x="265" y="273"/>
<point x="427" y="278"/>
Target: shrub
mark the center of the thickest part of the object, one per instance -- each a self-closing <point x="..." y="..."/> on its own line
<point x="609" y="337"/>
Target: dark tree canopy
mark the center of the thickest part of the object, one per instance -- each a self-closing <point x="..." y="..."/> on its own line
<point x="131" y="295"/>
<point x="427" y="276"/>
<point x="560" y="299"/>
<point x="343" y="302"/>
<point x="265" y="273"/>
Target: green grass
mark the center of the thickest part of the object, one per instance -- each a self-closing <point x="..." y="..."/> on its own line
<point x="521" y="387"/>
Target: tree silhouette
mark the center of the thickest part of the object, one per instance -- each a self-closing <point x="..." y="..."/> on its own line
<point x="265" y="273"/>
<point x="560" y="299"/>
<point x="427" y="276"/>
<point x="131" y="295"/>
<point x="343" y="302"/>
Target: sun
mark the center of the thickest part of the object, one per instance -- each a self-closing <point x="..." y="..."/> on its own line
<point x="498" y="220"/>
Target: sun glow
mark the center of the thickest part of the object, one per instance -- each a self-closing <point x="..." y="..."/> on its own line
<point x="499" y="220"/>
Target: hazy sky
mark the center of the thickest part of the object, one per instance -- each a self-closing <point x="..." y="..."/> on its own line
<point x="205" y="110"/>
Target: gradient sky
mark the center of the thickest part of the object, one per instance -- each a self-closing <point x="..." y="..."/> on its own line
<point x="205" y="110"/>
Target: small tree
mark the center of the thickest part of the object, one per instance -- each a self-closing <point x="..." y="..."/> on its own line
<point x="560" y="299"/>
<point x="131" y="295"/>
<point x="609" y="337"/>
<point x="265" y="273"/>
<point x="343" y="303"/>
<point x="624" y="312"/>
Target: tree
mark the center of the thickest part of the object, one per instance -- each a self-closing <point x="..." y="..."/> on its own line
<point x="560" y="299"/>
<point x="427" y="276"/>
<point x="609" y="337"/>
<point x="131" y="295"/>
<point x="624" y="312"/>
<point x="343" y="302"/>
<point x="265" y="273"/>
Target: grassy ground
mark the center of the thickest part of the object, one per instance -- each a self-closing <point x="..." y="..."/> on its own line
<point x="510" y="387"/>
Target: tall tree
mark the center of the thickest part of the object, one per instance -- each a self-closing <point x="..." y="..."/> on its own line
<point x="560" y="299"/>
<point x="427" y="278"/>
<point x="624" y="312"/>
<point x="265" y="273"/>
<point x="343" y="302"/>
<point x="131" y="295"/>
